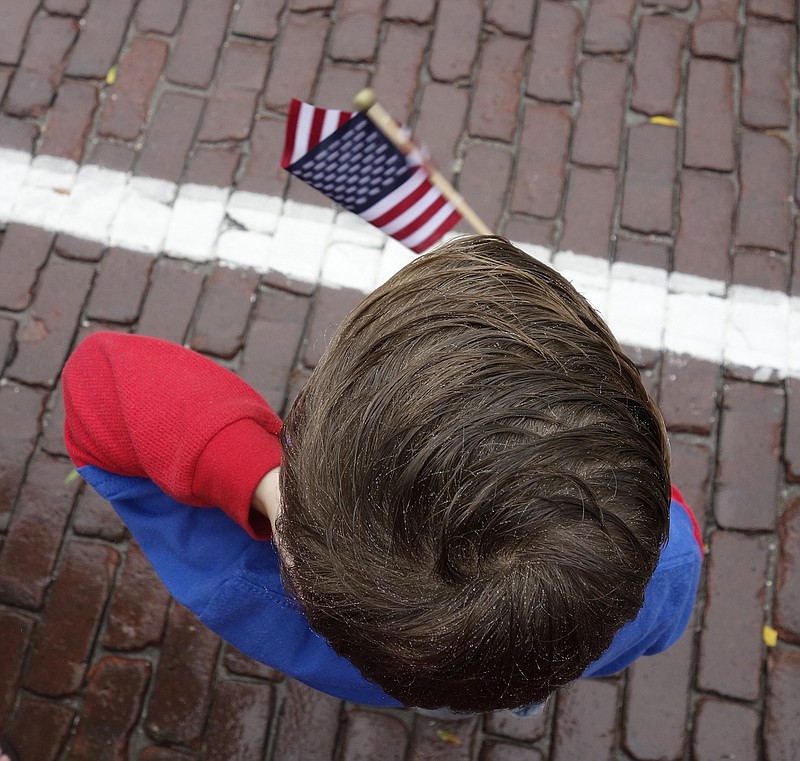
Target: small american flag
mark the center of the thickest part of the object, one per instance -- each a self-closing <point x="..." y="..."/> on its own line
<point x="346" y="157"/>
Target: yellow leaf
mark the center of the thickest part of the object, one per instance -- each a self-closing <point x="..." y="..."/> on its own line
<point x="770" y="636"/>
<point x="111" y="75"/>
<point x="665" y="121"/>
<point x="448" y="737"/>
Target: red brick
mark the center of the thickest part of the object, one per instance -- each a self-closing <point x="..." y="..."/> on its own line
<point x="527" y="729"/>
<point x="94" y="517"/>
<point x="688" y="397"/>
<point x="160" y="16"/>
<point x="239" y="722"/>
<point x="23" y="253"/>
<point x="427" y="743"/>
<point x="311" y="5"/>
<point x="791" y="446"/>
<point x="8" y="329"/>
<point x="483" y="181"/>
<point x="526" y="229"/>
<point x="709" y="140"/>
<point x="139" y="610"/>
<point x="70" y="120"/>
<point x="40" y="729"/>
<point x="224" y="311"/>
<point x="657" y="700"/>
<point x="202" y="31"/>
<point x="295" y="64"/>
<point x="492" y="751"/>
<point x="238" y="663"/>
<point x="66" y="7"/>
<point x="110" y="709"/>
<point x="589" y="211"/>
<point x="263" y="173"/>
<point x="585" y="721"/>
<point x="455" y="39"/>
<point x="650" y="179"/>
<point x="371" y="735"/>
<point x="787" y="593"/>
<point x="20" y="411"/>
<point x="761" y="269"/>
<point x="182" y="691"/>
<point x="609" y="27"/>
<point x="399" y="64"/>
<point x="598" y="128"/>
<point x="102" y="32"/>
<point x="17" y="134"/>
<point x="420" y="11"/>
<point x="782" y="10"/>
<point x="657" y="67"/>
<point x="74" y="609"/>
<point x="648" y="253"/>
<point x="15" y="18"/>
<point x="706" y="211"/>
<point x="154" y="753"/>
<point x="213" y="166"/>
<point x="781" y="728"/>
<point x="15" y="634"/>
<point x="34" y="537"/>
<point x="330" y="307"/>
<point x="749" y="451"/>
<point x="496" y="93"/>
<point x="555" y="39"/>
<point x="765" y="75"/>
<point x="120" y="287"/>
<point x="71" y="247"/>
<point x="272" y="344"/>
<point x="230" y="111"/>
<point x="45" y="337"/>
<point x="692" y="463"/>
<point x="112" y="155"/>
<point x="511" y="16"/>
<point x="725" y="730"/>
<point x="170" y="301"/>
<point x="128" y="102"/>
<point x="39" y="72"/>
<point x="170" y="136"/>
<point x="734" y="616"/>
<point x="309" y="724"/>
<point x="439" y="124"/>
<point x="258" y="18"/>
<point x="716" y="29"/>
<point x="5" y="75"/>
<point x="355" y="34"/>
<point x="540" y="161"/>
<point x="338" y="84"/>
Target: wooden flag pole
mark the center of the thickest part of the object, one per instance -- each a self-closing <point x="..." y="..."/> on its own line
<point x="382" y="119"/>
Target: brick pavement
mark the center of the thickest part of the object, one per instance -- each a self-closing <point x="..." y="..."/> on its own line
<point x="541" y="113"/>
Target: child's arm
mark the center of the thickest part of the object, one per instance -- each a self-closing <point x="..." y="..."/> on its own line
<point x="138" y="406"/>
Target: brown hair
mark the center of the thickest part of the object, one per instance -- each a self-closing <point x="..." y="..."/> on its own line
<point x="475" y="483"/>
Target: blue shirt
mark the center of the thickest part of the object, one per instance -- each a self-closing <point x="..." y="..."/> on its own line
<point x="232" y="583"/>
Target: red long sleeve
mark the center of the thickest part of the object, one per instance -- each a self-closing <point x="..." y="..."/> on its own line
<point x="140" y="406"/>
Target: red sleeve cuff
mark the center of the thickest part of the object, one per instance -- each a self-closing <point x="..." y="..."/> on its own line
<point x="230" y="468"/>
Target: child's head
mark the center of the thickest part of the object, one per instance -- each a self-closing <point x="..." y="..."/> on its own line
<point x="475" y="483"/>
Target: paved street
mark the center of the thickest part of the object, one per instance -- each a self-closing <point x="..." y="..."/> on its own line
<point x="140" y="191"/>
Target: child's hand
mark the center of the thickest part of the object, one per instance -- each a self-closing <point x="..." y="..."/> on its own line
<point x="267" y="496"/>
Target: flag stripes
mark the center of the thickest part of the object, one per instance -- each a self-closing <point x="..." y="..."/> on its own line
<point x="346" y="157"/>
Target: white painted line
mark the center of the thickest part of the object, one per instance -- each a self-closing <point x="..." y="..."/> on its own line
<point x="645" y="306"/>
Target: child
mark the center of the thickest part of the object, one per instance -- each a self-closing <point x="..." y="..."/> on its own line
<point x="474" y="505"/>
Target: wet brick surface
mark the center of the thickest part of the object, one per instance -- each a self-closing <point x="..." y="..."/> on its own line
<point x="541" y="113"/>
